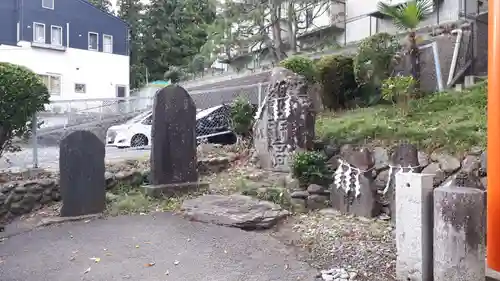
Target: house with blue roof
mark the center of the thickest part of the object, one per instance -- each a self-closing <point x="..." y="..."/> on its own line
<point x="79" y="51"/>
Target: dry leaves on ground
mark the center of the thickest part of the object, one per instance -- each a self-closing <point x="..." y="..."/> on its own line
<point x="332" y="240"/>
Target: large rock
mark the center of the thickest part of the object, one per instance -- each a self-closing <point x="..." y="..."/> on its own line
<point x="234" y="210"/>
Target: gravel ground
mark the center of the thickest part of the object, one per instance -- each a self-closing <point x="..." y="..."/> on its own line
<point x="328" y="239"/>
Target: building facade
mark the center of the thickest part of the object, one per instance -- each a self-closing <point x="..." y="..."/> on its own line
<point x="79" y="51"/>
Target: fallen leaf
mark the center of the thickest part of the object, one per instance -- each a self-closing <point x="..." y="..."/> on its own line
<point x="147" y="242"/>
<point x="87" y="270"/>
<point x="108" y="254"/>
<point x="96" y="260"/>
<point x="137" y="246"/>
<point x="150" y="264"/>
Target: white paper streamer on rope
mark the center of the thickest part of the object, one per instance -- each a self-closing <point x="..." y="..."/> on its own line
<point x="396" y="169"/>
<point x="343" y="178"/>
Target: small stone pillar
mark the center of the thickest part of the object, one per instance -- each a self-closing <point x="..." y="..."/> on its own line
<point x="459" y="234"/>
<point x="414" y="211"/>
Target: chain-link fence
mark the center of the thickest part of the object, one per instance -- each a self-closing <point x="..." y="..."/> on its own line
<point x="124" y="124"/>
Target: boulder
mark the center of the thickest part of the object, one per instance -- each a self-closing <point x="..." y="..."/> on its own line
<point x="234" y="210"/>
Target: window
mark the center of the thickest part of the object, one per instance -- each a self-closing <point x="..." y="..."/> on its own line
<point x="107" y="43"/>
<point x="38" y="32"/>
<point x="80" y="88"/>
<point x="48" y="4"/>
<point x="53" y="83"/>
<point x="93" y="41"/>
<point x="56" y="35"/>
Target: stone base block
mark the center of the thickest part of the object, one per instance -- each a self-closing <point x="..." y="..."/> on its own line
<point x="174" y="189"/>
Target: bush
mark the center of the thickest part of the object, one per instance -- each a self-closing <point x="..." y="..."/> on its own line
<point x="175" y="74"/>
<point x="374" y="62"/>
<point x="309" y="167"/>
<point x="337" y="76"/>
<point x="302" y="66"/>
<point x="242" y="117"/>
<point x="398" y="88"/>
<point x="23" y="93"/>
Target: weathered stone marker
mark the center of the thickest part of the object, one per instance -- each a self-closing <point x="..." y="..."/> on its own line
<point x="173" y="151"/>
<point x="459" y="234"/>
<point x="404" y="156"/>
<point x="414" y="223"/>
<point x="285" y="121"/>
<point x="81" y="168"/>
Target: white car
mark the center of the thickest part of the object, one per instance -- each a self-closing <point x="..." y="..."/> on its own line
<point x="213" y="123"/>
<point x="133" y="133"/>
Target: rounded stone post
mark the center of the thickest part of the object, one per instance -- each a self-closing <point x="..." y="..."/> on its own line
<point x="459" y="234"/>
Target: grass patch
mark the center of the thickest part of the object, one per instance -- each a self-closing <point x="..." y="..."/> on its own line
<point x="277" y="195"/>
<point x="454" y="121"/>
<point x="126" y="200"/>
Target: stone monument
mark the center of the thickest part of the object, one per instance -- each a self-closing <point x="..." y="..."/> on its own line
<point x="284" y="121"/>
<point x="82" y="182"/>
<point x="459" y="233"/>
<point x="414" y="223"/>
<point x="173" y="150"/>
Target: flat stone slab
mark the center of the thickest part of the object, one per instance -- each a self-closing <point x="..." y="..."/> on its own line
<point x="174" y="189"/>
<point x="234" y="210"/>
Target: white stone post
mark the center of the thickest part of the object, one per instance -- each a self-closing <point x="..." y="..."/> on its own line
<point x="414" y="223"/>
<point x="459" y="234"/>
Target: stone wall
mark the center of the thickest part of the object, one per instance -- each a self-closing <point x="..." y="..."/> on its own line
<point x="375" y="167"/>
<point x="21" y="193"/>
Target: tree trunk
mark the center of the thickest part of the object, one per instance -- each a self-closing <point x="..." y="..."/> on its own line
<point x="276" y="29"/>
<point x="292" y="28"/>
<point x="414" y="59"/>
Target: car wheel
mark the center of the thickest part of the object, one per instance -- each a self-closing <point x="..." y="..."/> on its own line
<point x="139" y="140"/>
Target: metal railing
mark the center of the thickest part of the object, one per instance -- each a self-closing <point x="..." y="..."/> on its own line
<point x="97" y="115"/>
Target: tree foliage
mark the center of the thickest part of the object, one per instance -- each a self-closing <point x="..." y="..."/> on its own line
<point x="302" y="66"/>
<point x="164" y="35"/>
<point x="336" y="74"/>
<point x="23" y="94"/>
<point x="104" y="5"/>
<point x="408" y="16"/>
<point x="256" y="25"/>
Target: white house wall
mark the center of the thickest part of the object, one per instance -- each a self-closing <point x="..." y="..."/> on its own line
<point x="100" y="72"/>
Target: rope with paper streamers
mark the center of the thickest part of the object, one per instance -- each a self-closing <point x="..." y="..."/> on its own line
<point x="396" y="169"/>
<point x="344" y="177"/>
<point x="346" y="173"/>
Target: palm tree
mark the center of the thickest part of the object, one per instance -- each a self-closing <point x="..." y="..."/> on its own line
<point x="408" y="16"/>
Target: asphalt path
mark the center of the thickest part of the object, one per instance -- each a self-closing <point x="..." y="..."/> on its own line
<point x="148" y="248"/>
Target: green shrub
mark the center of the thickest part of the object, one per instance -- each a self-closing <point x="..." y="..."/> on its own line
<point x="398" y="88"/>
<point x="22" y="93"/>
<point x="336" y="74"/>
<point x="175" y="74"/>
<point x="242" y="117"/>
<point x="309" y="167"/>
<point x="302" y="66"/>
<point x="374" y="62"/>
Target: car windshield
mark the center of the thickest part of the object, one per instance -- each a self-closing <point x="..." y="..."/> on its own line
<point x="138" y="118"/>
